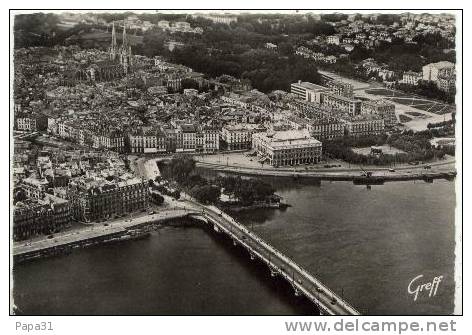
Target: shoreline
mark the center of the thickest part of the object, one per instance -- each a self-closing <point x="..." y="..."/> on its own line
<point x="62" y="244"/>
<point x="346" y="175"/>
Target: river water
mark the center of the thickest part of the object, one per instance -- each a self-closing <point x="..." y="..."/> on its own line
<point x="365" y="244"/>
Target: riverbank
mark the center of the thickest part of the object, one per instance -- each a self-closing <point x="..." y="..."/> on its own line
<point x="416" y="173"/>
<point x="96" y="234"/>
<point x="238" y="208"/>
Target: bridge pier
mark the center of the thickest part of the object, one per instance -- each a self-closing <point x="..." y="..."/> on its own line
<point x="273" y="271"/>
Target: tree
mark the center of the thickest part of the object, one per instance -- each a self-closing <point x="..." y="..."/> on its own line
<point x="19" y="195"/>
<point x="285" y="48"/>
<point x="207" y="194"/>
<point x="153" y="43"/>
<point x="189" y="83"/>
<point x="180" y="168"/>
<point x="157" y="198"/>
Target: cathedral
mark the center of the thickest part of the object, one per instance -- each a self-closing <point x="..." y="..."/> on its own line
<point x="122" y="54"/>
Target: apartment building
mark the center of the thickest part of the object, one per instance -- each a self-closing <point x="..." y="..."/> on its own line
<point x="381" y="107"/>
<point x="239" y="136"/>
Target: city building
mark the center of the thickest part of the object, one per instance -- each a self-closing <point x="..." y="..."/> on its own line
<point x="411" y="78"/>
<point x="219" y="18"/>
<point x="33" y="217"/>
<point x="333" y="39"/>
<point x="351" y="106"/>
<point x="290" y="147"/>
<point x="147" y="141"/>
<point x="384" y="108"/>
<point x="239" y="136"/>
<point x="307" y="91"/>
<point x="363" y="125"/>
<point x="340" y="87"/>
<point x="210" y="139"/>
<point x="163" y="24"/>
<point x="447" y="82"/>
<point x="25" y="122"/>
<point x="95" y="199"/>
<point x="34" y="188"/>
<point x="326" y="128"/>
<point x="271" y="46"/>
<point x="432" y="72"/>
<point x="186" y="138"/>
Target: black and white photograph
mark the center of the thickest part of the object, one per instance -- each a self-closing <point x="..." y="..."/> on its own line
<point x="232" y="162"/>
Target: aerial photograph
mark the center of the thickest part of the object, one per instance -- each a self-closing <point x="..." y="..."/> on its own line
<point x="225" y="162"/>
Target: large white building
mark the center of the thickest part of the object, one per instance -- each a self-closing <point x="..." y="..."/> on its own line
<point x="289" y="147"/>
<point x="26" y="123"/>
<point x="333" y="39"/>
<point x="433" y="71"/>
<point x="218" y="18"/>
<point x="307" y="91"/>
<point x="411" y="78"/>
<point x="148" y="141"/>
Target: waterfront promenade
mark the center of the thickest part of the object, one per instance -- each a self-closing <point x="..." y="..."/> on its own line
<point x="438" y="169"/>
<point x="95" y="231"/>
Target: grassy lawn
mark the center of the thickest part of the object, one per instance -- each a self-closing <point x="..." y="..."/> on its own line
<point x="416" y="114"/>
<point x="385" y="92"/>
<point x="404" y="118"/>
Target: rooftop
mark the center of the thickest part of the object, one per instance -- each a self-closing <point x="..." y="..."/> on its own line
<point x="310" y="86"/>
<point x="288" y="138"/>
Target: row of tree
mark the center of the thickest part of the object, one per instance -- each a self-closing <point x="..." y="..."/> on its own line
<point x="429" y="90"/>
<point x="416" y="147"/>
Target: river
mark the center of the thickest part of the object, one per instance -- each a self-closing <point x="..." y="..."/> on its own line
<point x="365" y="244"/>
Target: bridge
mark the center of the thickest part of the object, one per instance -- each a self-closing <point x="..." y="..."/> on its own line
<point x="303" y="282"/>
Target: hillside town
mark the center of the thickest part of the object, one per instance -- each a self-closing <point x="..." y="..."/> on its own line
<point x="234" y="162"/>
<point x="79" y="113"/>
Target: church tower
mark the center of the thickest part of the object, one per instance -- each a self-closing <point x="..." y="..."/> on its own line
<point x="114" y="47"/>
<point x="126" y="58"/>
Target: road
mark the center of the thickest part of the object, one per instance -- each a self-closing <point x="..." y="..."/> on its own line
<point x="94" y="231"/>
<point x="405" y="171"/>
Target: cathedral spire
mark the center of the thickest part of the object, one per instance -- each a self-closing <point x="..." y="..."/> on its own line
<point x="125" y="39"/>
<point x="113" y="36"/>
<point x="113" y="48"/>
